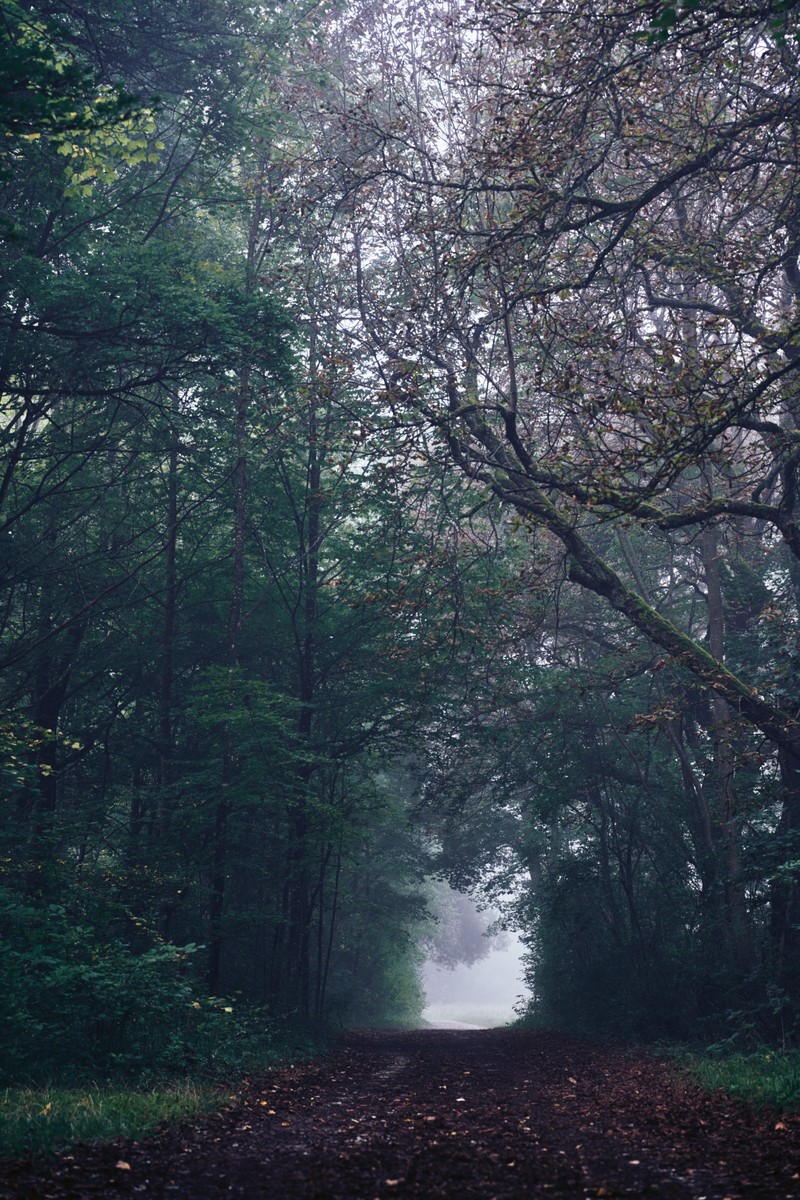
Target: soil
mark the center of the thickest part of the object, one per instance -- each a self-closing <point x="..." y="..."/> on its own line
<point x="454" y="1114"/>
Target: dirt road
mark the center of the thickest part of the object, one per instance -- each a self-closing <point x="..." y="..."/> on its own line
<point x="449" y="1114"/>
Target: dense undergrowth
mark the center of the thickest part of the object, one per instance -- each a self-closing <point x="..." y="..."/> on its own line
<point x="107" y="1030"/>
<point x="46" y="1117"/>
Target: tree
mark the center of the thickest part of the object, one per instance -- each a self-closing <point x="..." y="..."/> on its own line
<point x="591" y="309"/>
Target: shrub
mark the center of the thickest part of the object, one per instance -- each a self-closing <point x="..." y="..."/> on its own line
<point x="72" y="1003"/>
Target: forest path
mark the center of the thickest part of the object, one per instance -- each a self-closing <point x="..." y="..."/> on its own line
<point x="453" y="1114"/>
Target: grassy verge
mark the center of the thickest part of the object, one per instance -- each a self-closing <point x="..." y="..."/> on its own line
<point x="772" y="1077"/>
<point x="44" y="1120"/>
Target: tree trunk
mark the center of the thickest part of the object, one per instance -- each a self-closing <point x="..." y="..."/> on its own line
<point x="219" y="864"/>
<point x="785" y="886"/>
<point x="735" y="928"/>
<point x="300" y="908"/>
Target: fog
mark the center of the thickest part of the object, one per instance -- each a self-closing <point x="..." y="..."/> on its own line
<point x="482" y="992"/>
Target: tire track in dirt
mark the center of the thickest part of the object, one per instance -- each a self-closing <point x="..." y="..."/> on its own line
<point x="456" y="1115"/>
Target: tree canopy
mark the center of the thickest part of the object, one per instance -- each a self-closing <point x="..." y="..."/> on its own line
<point x="399" y="480"/>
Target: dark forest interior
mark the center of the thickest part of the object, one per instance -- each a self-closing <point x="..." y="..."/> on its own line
<point x="400" y="436"/>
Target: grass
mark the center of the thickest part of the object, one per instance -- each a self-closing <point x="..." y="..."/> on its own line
<point x="40" y="1121"/>
<point x="769" y="1078"/>
<point x="43" y="1119"/>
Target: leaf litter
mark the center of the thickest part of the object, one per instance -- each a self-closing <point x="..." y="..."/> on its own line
<point x="547" y="1116"/>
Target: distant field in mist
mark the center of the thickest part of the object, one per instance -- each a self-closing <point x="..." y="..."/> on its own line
<point x="485" y="1015"/>
<point x="481" y="994"/>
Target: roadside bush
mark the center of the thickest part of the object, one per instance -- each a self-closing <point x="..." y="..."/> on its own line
<point x="73" y="1003"/>
<point x="77" y="1006"/>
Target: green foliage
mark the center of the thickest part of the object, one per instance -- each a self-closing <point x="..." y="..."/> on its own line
<point x="375" y="978"/>
<point x="768" y="1077"/>
<point x="47" y="90"/>
<point x="44" y="1120"/>
<point x="267" y="662"/>
<point x="671" y="17"/>
<point x="74" y="1002"/>
<point x="383" y="989"/>
<point x="21" y="746"/>
<point x="79" y="1004"/>
<point x="194" y="482"/>
<point x="221" y="1044"/>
